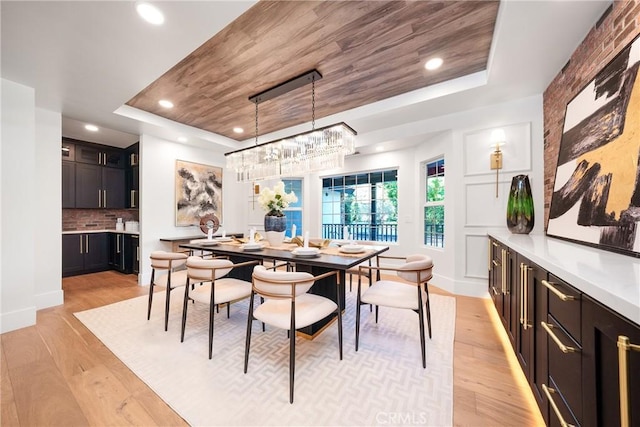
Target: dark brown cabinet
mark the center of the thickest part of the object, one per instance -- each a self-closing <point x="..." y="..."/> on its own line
<point x="84" y="253"/>
<point x="117" y="251"/>
<point x="608" y="391"/>
<point x="133" y="256"/>
<point x="95" y="154"/>
<point x="133" y="177"/>
<point x="99" y="187"/>
<point x="567" y="344"/>
<point x="68" y="184"/>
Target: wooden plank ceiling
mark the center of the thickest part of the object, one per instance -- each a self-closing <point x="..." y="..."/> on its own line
<point x="366" y="51"/>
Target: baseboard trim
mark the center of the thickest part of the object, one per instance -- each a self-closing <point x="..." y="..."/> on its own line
<point x="49" y="299"/>
<point x="17" y="319"/>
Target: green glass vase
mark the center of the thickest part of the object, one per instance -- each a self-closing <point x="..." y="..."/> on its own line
<point x="520" y="215"/>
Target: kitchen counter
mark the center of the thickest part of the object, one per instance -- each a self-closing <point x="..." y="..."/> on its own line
<point x="109" y="230"/>
<point x="608" y="277"/>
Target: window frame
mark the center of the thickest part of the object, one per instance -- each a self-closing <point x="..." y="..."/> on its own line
<point x="428" y="242"/>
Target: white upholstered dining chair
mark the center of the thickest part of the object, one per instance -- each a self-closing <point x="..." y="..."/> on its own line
<point x="288" y="305"/>
<point x="417" y="270"/>
<point x="213" y="288"/>
<point x="164" y="275"/>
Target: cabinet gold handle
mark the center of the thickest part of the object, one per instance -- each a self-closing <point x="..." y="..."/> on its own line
<point x="502" y="272"/>
<point x="494" y="262"/>
<point x="548" y="391"/>
<point x="521" y="293"/>
<point x="133" y="198"/>
<point x="118" y="243"/>
<point x="552" y="288"/>
<point x="624" y="346"/>
<point x="495" y="244"/>
<point x="563" y="348"/>
<point x="81" y="243"/>
<point x="99" y="198"/>
<point x="526" y="297"/>
<point x="104" y="201"/>
<point x="86" y="246"/>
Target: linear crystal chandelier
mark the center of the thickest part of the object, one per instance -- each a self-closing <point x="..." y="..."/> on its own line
<point x="318" y="149"/>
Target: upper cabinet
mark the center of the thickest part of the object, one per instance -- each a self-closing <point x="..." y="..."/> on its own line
<point x="95" y="176"/>
<point x="100" y="155"/>
<point x="133" y="176"/>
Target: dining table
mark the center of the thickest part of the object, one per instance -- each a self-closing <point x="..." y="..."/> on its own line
<point x="329" y="258"/>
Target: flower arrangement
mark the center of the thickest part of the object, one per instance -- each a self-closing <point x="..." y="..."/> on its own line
<point x="275" y="200"/>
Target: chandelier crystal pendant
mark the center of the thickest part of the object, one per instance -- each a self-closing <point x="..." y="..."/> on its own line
<point x="318" y="149"/>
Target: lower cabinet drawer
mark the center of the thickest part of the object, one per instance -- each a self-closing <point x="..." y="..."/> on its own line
<point x="565" y="305"/>
<point x="560" y="414"/>
<point x="565" y="373"/>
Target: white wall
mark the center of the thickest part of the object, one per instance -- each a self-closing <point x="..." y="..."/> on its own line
<point x="20" y="210"/>
<point x="30" y="221"/>
<point x="157" y="196"/>
<point x="48" y="187"/>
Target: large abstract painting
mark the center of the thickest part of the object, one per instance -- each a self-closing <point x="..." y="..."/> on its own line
<point x="596" y="195"/>
<point x="198" y="192"/>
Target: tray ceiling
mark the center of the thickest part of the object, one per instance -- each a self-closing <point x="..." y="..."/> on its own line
<point x="366" y="51"/>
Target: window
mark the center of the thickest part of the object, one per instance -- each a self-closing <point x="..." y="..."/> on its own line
<point x="366" y="204"/>
<point x="434" y="204"/>
<point x="294" y="211"/>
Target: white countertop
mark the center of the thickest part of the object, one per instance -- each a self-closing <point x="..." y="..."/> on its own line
<point x="609" y="278"/>
<point x="110" y="230"/>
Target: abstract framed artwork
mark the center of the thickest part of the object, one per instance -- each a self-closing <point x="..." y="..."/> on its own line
<point x="198" y="192"/>
<point x="596" y="194"/>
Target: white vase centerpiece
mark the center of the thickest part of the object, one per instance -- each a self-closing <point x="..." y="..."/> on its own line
<point x="274" y="201"/>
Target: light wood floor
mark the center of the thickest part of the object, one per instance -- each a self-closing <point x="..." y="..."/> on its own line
<point x="57" y="373"/>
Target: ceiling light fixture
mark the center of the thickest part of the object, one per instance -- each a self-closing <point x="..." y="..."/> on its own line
<point x="433" y="64"/>
<point x="238" y="130"/>
<point x="165" y="103"/>
<point x="150" y="13"/>
<point x="318" y="149"/>
<point x="182" y="139"/>
<point x="92" y="128"/>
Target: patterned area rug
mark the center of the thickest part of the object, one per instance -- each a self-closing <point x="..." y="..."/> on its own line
<point x="382" y="384"/>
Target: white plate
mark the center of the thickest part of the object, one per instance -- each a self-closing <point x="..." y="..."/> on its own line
<point x="309" y="255"/>
<point x="251" y="247"/>
<point x="305" y="251"/>
<point x="205" y="242"/>
<point x="352" y="249"/>
<point x="223" y="239"/>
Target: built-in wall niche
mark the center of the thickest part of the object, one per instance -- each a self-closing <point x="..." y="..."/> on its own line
<point x="516" y="150"/>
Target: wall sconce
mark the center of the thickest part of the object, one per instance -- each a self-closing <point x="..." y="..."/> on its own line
<point x="497" y="139"/>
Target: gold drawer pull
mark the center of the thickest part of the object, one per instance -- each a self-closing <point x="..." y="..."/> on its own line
<point x="563" y="297"/>
<point x="494" y="262"/>
<point x="624" y="346"/>
<point x="548" y="391"/>
<point x="564" y="348"/>
<point x="495" y="244"/>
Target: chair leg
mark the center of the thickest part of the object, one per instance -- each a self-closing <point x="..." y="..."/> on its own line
<point x="339" y="323"/>
<point x="166" y="305"/>
<point x="358" y="303"/>
<point x="211" y="304"/>
<point x="261" y="302"/>
<point x="377" y="313"/>
<point x="185" y="305"/>
<point x="292" y="350"/>
<point x="228" y="309"/>
<point x="153" y="271"/>
<point x="248" y="339"/>
<point x="422" y="343"/>
<point x="428" y="306"/>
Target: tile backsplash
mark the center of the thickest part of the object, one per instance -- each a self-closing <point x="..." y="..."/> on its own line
<point x="95" y="219"/>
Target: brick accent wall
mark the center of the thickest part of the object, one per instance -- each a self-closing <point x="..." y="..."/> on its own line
<point x="618" y="26"/>
<point x="95" y="219"/>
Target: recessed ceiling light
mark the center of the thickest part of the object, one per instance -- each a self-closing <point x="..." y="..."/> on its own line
<point x="182" y="139"/>
<point x="433" y="63"/>
<point x="380" y="148"/>
<point x="150" y="13"/>
<point x="238" y="130"/>
<point x="92" y="128"/>
<point x="166" y="104"/>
